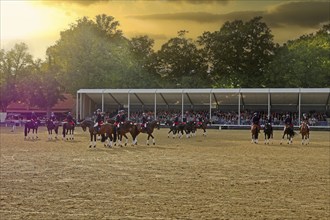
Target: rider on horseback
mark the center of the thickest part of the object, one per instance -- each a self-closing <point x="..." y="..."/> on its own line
<point x="98" y="119"/>
<point x="69" y="118"/>
<point x="288" y="121"/>
<point x="144" y="120"/>
<point x="120" y="118"/>
<point x="255" y="121"/>
<point x="34" y="118"/>
<point x="52" y="118"/>
<point x="305" y="120"/>
<point x="176" y="120"/>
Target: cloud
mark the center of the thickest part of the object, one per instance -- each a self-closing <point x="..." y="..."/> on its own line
<point x="222" y="2"/>
<point x="304" y="14"/>
<point x="78" y="2"/>
<point x="200" y="17"/>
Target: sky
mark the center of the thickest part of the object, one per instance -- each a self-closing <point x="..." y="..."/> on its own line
<point x="38" y="23"/>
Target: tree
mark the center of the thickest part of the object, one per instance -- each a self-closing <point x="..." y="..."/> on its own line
<point x="304" y="62"/>
<point x="239" y="53"/>
<point x="179" y="63"/>
<point x="93" y="55"/>
<point x="14" y="66"/>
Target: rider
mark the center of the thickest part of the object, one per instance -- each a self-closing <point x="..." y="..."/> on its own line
<point x="34" y="117"/>
<point x="288" y="121"/>
<point x="176" y="120"/>
<point x="98" y="119"/>
<point x="305" y="119"/>
<point x="69" y="118"/>
<point x="255" y="121"/>
<point x="52" y="118"/>
<point x="144" y="120"/>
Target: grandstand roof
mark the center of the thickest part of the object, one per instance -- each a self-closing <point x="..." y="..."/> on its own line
<point x="249" y="96"/>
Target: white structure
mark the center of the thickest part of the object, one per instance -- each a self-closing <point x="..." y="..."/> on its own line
<point x="266" y="99"/>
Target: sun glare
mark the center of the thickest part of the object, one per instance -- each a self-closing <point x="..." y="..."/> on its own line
<point x="21" y="19"/>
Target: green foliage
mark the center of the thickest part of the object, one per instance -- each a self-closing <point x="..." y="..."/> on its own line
<point x="239" y="53"/>
<point x="304" y="62"/>
<point x="179" y="63"/>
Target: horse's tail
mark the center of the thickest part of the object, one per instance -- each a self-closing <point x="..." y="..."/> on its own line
<point x="25" y="130"/>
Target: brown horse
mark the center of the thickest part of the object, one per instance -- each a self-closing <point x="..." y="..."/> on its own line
<point x="254" y="133"/>
<point x="149" y="129"/>
<point x="202" y="125"/>
<point x="52" y="125"/>
<point x="68" y="129"/>
<point x="122" y="129"/>
<point x="304" y="131"/>
<point x="31" y="125"/>
<point x="289" y="132"/>
<point x="106" y="131"/>
<point x="268" y="131"/>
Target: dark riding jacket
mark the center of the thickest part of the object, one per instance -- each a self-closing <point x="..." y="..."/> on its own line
<point x="255" y="120"/>
<point x="288" y="120"/>
<point x="99" y="119"/>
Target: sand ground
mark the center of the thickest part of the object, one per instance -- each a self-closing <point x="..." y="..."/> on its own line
<point x="221" y="176"/>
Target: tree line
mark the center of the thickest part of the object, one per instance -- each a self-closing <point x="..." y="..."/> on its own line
<point x="96" y="54"/>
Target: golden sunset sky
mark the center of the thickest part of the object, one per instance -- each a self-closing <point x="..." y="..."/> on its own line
<point x="38" y="23"/>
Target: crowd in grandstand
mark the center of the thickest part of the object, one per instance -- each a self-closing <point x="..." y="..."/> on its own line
<point x="228" y="118"/>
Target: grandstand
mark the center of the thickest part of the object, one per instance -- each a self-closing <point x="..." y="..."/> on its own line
<point x="267" y="100"/>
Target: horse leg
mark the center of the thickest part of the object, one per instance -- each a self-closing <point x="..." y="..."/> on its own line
<point x="153" y="139"/>
<point x="204" y="134"/>
<point x="148" y="139"/>
<point x="126" y="140"/>
<point x="282" y="138"/>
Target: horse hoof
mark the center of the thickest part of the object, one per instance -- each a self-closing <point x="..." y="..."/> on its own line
<point x="90" y="146"/>
<point x="154" y="143"/>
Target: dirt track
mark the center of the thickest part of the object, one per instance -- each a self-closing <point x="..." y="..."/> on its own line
<point x="222" y="176"/>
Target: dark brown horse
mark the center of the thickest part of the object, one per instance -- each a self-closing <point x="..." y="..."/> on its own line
<point x="268" y="131"/>
<point x="304" y="131"/>
<point x="122" y="129"/>
<point x="52" y="126"/>
<point x="106" y="131"/>
<point x="68" y="129"/>
<point x="149" y="129"/>
<point x="202" y="125"/>
<point x="289" y="132"/>
<point x="31" y="125"/>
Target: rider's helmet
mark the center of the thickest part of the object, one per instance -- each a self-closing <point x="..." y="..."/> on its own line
<point x="255" y="114"/>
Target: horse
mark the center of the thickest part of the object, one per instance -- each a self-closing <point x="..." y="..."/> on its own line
<point x="122" y="130"/>
<point x="255" y="133"/>
<point x="31" y="125"/>
<point x="175" y="129"/>
<point x="68" y="128"/>
<point x="149" y="129"/>
<point x="268" y="131"/>
<point x="52" y="125"/>
<point x="289" y="132"/>
<point x="304" y="131"/>
<point x="106" y="131"/>
<point x="202" y="125"/>
<point x="190" y="128"/>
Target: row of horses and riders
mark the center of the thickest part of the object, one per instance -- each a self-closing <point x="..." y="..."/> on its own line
<point x="288" y="131"/>
<point x="114" y="130"/>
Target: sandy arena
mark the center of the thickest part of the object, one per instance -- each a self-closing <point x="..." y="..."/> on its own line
<point x="221" y="176"/>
